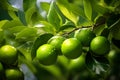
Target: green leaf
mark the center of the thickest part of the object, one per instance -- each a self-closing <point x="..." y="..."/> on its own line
<point x="47" y="27"/>
<point x="2" y="23"/>
<point x="53" y="17"/>
<point x="45" y="6"/>
<point x="33" y="16"/>
<point x="26" y="34"/>
<point x="42" y="39"/>
<point x="77" y="10"/>
<point x="115" y="29"/>
<point x="12" y="23"/>
<point x="99" y="65"/>
<point x="13" y="15"/>
<point x="98" y="8"/>
<point x="99" y="29"/>
<point x="87" y="9"/>
<point x="21" y="16"/>
<point x="83" y="21"/>
<point x="67" y="25"/>
<point x="100" y="25"/>
<point x="28" y="4"/>
<point x="67" y="12"/>
<point x="17" y="29"/>
<point x="29" y="13"/>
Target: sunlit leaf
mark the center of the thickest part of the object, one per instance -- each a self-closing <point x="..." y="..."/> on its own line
<point x="43" y="7"/>
<point x="12" y="23"/>
<point x="33" y="16"/>
<point x="67" y="12"/>
<point x="53" y="17"/>
<point x="29" y="13"/>
<point x="78" y="10"/>
<point x="13" y="15"/>
<point x="28" y="4"/>
<point x="46" y="26"/>
<point x="87" y="9"/>
<point x="17" y="29"/>
<point x="3" y="22"/>
<point x="26" y="33"/>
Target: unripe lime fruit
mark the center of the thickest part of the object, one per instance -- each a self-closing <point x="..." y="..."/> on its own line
<point x="113" y="57"/>
<point x="8" y="54"/>
<point x="71" y="48"/>
<point x="57" y="41"/>
<point x="77" y="64"/>
<point x="85" y="36"/>
<point x="46" y="54"/>
<point x="63" y="61"/>
<point x="14" y="74"/>
<point x="100" y="46"/>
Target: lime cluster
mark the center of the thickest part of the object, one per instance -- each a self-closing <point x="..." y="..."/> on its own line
<point x="72" y="47"/>
<point x="8" y="64"/>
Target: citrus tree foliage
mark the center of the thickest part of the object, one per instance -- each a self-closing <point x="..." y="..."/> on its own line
<point x="28" y="24"/>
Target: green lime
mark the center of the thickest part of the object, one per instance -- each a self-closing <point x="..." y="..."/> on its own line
<point x="57" y="41"/>
<point x="113" y="57"/>
<point x="71" y="48"/>
<point x="8" y="54"/>
<point x="46" y="54"/>
<point x="14" y="74"/>
<point x="77" y="64"/>
<point x="85" y="36"/>
<point x="100" y="45"/>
